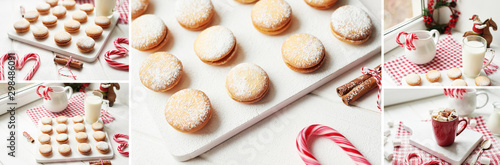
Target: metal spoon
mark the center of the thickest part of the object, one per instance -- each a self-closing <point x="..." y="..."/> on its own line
<point x="486" y="144"/>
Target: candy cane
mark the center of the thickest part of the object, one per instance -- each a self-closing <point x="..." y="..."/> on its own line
<point x="332" y="134"/>
<point x="123" y="143"/>
<point x="409" y="37"/>
<point x="457" y="93"/>
<point x="122" y="52"/>
<point x="420" y="161"/>
<point x="30" y="56"/>
<point x="45" y="93"/>
<point x="67" y="65"/>
<point x="376" y="74"/>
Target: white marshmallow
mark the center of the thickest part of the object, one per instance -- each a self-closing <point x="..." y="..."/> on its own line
<point x="390" y="123"/>
<point x="388" y="155"/>
<point x="485" y="160"/>
<point x="387" y="132"/>
<point x="396" y="142"/>
<point x="473" y="123"/>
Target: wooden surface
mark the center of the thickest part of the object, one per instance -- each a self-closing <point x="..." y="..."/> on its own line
<point x="98" y="70"/>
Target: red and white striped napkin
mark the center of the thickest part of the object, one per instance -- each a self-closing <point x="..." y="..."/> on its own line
<point x="75" y="108"/>
<point x="401" y="152"/>
<point x="448" y="55"/>
<point x="122" y="9"/>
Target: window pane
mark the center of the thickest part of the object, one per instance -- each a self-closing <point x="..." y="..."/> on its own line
<point x="397" y="11"/>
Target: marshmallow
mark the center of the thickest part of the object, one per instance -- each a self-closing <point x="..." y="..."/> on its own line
<point x="390" y="123"/>
<point x="485" y="160"/>
<point x="387" y="132"/>
<point x="473" y="123"/>
<point x="388" y="155"/>
<point x="396" y="142"/>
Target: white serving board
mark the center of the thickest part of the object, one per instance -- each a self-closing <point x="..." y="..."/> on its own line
<point x="56" y="157"/>
<point x="69" y="50"/>
<point x="231" y="117"/>
<point x="446" y="81"/>
<point x="423" y="137"/>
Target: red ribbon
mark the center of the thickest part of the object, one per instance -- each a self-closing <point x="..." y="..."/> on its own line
<point x="378" y="78"/>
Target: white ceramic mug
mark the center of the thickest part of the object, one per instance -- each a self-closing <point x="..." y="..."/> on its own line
<point x="468" y="104"/>
<point x="425" y="46"/>
<point x="58" y="98"/>
<point x="105" y="7"/>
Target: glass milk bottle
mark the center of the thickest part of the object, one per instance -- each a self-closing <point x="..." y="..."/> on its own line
<point x="493" y="122"/>
<point x="473" y="50"/>
<point x="104" y="7"/>
<point x="92" y="106"/>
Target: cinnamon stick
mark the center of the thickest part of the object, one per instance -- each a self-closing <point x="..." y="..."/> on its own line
<point x="359" y="91"/>
<point x="346" y="88"/>
<point x="63" y="60"/>
<point x="104" y="162"/>
<point x="27" y="136"/>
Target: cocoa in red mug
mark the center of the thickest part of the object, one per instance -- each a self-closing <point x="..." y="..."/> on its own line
<point x="446" y="131"/>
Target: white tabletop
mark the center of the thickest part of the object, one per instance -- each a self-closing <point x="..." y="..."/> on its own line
<point x="25" y="150"/>
<point x="98" y="70"/>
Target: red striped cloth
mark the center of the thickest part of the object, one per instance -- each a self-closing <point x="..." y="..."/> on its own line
<point x="122" y="9"/>
<point x="400" y="153"/>
<point x="75" y="108"/>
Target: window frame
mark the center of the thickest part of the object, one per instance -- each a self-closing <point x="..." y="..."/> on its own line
<point x="415" y="23"/>
<point x="23" y="96"/>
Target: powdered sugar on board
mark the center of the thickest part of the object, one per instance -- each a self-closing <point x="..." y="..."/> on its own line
<point x="213" y="43"/>
<point x="271" y="13"/>
<point x="191" y="12"/>
<point x="351" y="22"/>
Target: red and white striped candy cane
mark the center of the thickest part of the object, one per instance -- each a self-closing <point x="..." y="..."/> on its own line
<point x="123" y="143"/>
<point x="121" y="51"/>
<point x="332" y="134"/>
<point x="457" y="93"/>
<point x="409" y="37"/>
<point x="420" y="161"/>
<point x="45" y="93"/>
<point x="30" y="56"/>
<point x="378" y="78"/>
<point x="2" y="60"/>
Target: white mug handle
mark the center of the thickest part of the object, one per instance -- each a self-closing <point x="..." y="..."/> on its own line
<point x="487" y="98"/>
<point x="493" y="56"/>
<point x="70" y="91"/>
<point x="435" y="35"/>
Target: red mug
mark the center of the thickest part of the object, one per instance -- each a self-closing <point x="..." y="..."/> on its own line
<point x="446" y="131"/>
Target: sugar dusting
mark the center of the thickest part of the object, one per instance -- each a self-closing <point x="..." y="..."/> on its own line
<point x="192" y="12"/>
<point x="102" y="146"/>
<point x="160" y="70"/>
<point x="86" y="42"/>
<point x="31" y="14"/>
<point x="351" y="22"/>
<point x="49" y="19"/>
<point x="412" y="78"/>
<point x="187" y="109"/>
<point x="59" y="10"/>
<point x="303" y="50"/>
<point x="433" y="74"/>
<point x="138" y="5"/>
<point x="147" y="30"/>
<point x="454" y="73"/>
<point x="213" y="43"/>
<point x="21" y="24"/>
<point x="458" y="82"/>
<point x="246" y="81"/>
<point x="62" y="137"/>
<point x="271" y="13"/>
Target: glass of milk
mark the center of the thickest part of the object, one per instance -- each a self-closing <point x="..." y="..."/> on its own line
<point x="92" y="105"/>
<point x="105" y="7"/>
<point x="493" y="122"/>
<point x="473" y="51"/>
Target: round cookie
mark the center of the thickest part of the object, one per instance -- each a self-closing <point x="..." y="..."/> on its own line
<point x="303" y="53"/>
<point x="102" y="147"/>
<point x="61" y="128"/>
<point x="52" y="3"/>
<point x="22" y="26"/>
<point x="49" y="21"/>
<point x="271" y="16"/>
<point x="85" y="44"/>
<point x="149" y="33"/>
<point x="215" y="45"/>
<point x="62" y="138"/>
<point x="138" y="7"/>
<point x="59" y="12"/>
<point x="160" y="72"/>
<point x="454" y="73"/>
<point x="45" y="149"/>
<point x="433" y="75"/>
<point x="188" y="110"/>
<point x="97" y="126"/>
<point x="31" y="16"/>
<point x="64" y="149"/>
<point x="72" y="26"/>
<point x="81" y="137"/>
<point x="246" y="1"/>
<point x="46" y="129"/>
<point x="99" y="136"/>
<point x="247" y="83"/>
<point x="458" y="82"/>
<point x="62" y="119"/>
<point x="79" y="127"/>
<point x="102" y="21"/>
<point x="84" y="148"/>
<point x="482" y="81"/>
<point x="321" y="4"/>
<point x="69" y="4"/>
<point x="194" y="14"/>
<point x="94" y="31"/>
<point x="80" y="16"/>
<point x="351" y="24"/>
<point x="44" y="139"/>
<point x="46" y="121"/>
<point x="88" y="8"/>
<point x="78" y="119"/>
<point x="43" y="8"/>
<point x="413" y="79"/>
<point x="62" y="38"/>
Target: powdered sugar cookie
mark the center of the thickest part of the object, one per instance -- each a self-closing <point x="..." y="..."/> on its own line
<point x="88" y="8"/>
<point x="99" y="136"/>
<point x="454" y="73"/>
<point x="22" y="26"/>
<point x="321" y="4"/>
<point x="44" y="139"/>
<point x="148" y="33"/>
<point x="62" y="119"/>
<point x="49" y="21"/>
<point x="94" y="31"/>
<point x="45" y="149"/>
<point x="62" y="38"/>
<point x="194" y="14"/>
<point x="246" y="1"/>
<point x="46" y="121"/>
<point x="160" y="72"/>
<point x="46" y="129"/>
<point x="64" y="149"/>
<point x="84" y="148"/>
<point x="351" y="24"/>
<point x="81" y="137"/>
<point x="247" y="83"/>
<point x="79" y="127"/>
<point x="413" y="79"/>
<point x="62" y="138"/>
<point x="102" y="147"/>
<point x="59" y="12"/>
<point x="78" y="119"/>
<point x="303" y="52"/>
<point x="215" y="45"/>
<point x="271" y="16"/>
<point x="102" y="21"/>
<point x="52" y="3"/>
<point x="458" y="82"/>
<point x="43" y="8"/>
<point x="433" y="75"/>
<point x="72" y="26"/>
<point x="69" y="4"/>
<point x="40" y="32"/>
<point x="31" y="16"/>
<point x="61" y="128"/>
<point x="97" y="126"/>
<point x="79" y="16"/>
<point x="85" y="44"/>
<point x="482" y="81"/>
<point x="188" y="110"/>
<point x="138" y="7"/>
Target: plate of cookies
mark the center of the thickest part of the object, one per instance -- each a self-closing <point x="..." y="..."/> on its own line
<point x="64" y="139"/>
<point x="451" y="77"/>
<point x="70" y="30"/>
